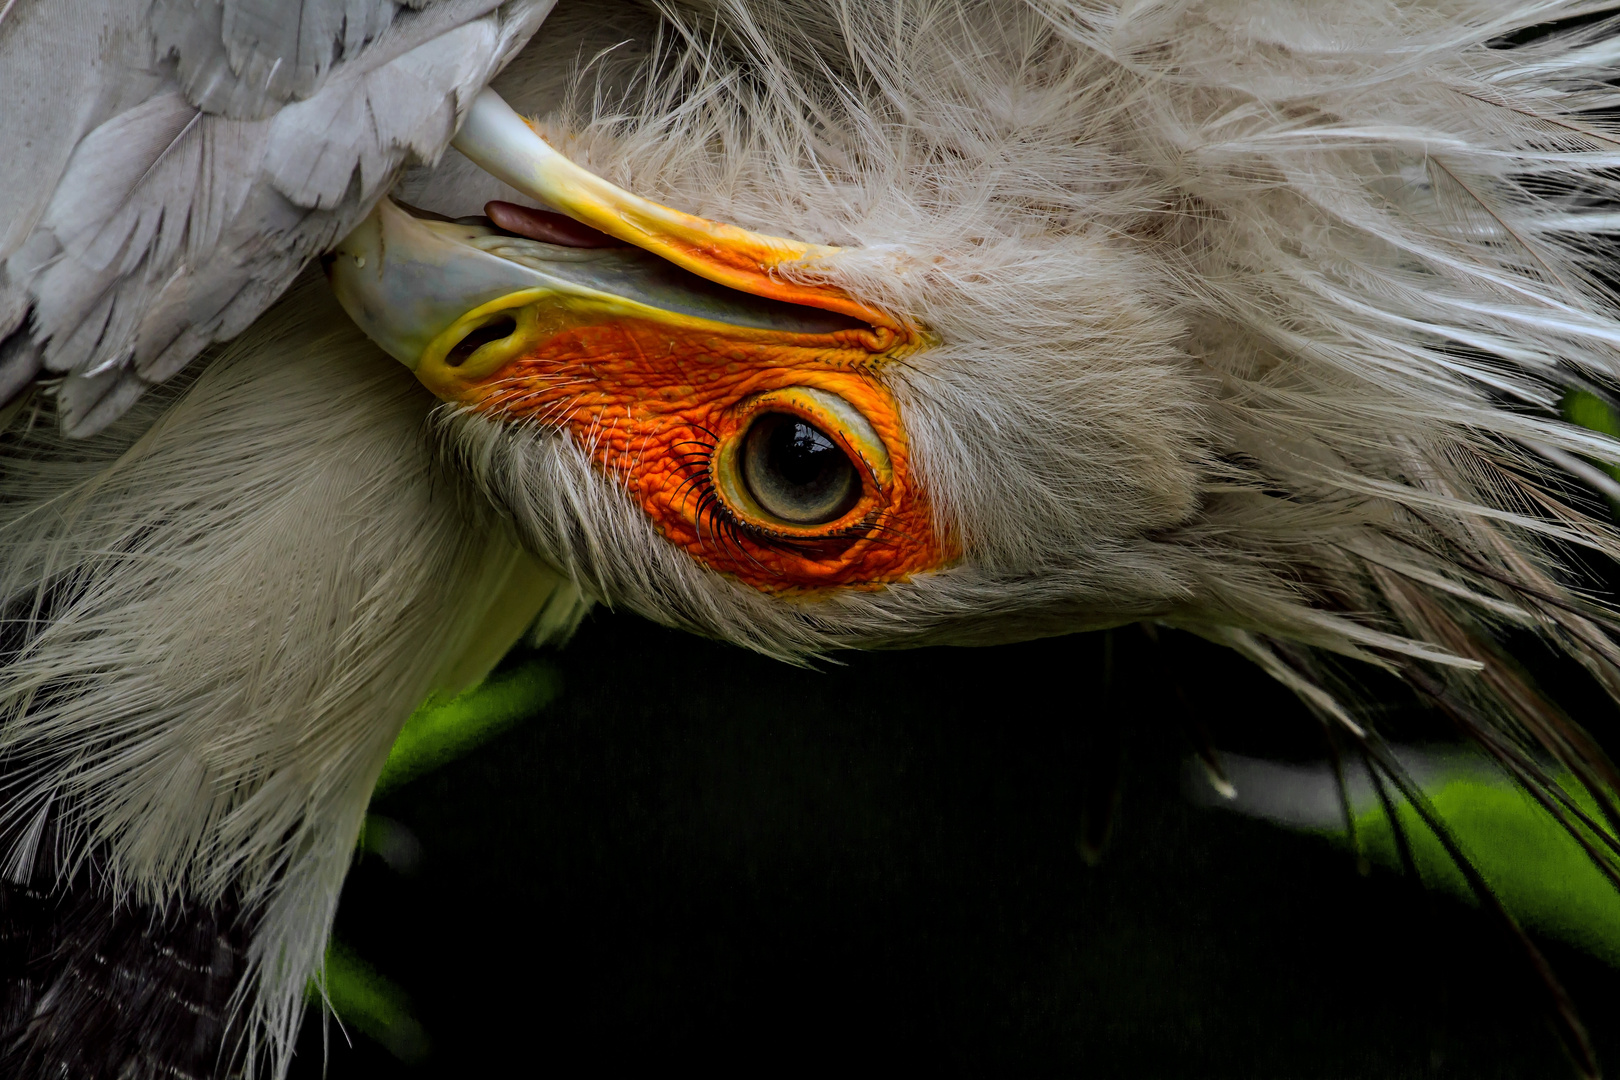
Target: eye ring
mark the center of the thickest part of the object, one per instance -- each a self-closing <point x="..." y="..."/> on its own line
<point x="801" y="463"/>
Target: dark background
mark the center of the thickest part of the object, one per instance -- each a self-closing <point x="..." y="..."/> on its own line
<point x="699" y="857"/>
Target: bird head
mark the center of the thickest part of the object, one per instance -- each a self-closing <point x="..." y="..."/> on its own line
<point x="793" y="444"/>
<point x="745" y="413"/>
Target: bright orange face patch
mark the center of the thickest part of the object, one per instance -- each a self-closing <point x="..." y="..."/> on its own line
<point x="667" y="404"/>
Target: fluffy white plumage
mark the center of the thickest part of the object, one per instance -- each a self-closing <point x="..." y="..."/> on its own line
<point x="1254" y="320"/>
<point x="234" y="614"/>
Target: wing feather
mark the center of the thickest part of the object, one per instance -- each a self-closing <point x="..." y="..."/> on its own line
<point x="172" y="164"/>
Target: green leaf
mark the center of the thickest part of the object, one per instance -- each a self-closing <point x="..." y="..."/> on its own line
<point x="441" y="731"/>
<point x="1539" y="871"/>
<point x="362" y="999"/>
<point x="1593" y="413"/>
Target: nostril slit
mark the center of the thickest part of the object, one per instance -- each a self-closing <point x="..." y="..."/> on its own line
<point x="476" y="339"/>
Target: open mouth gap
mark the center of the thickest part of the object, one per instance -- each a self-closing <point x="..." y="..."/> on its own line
<point x="526" y="222"/>
<point x="546" y="227"/>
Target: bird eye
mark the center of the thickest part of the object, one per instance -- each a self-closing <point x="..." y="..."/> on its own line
<point x="796" y="462"/>
<point x="796" y="472"/>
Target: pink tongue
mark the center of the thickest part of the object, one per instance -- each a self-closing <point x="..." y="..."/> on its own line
<point x="546" y="227"/>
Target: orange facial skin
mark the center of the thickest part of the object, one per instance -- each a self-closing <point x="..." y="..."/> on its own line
<point x="661" y="402"/>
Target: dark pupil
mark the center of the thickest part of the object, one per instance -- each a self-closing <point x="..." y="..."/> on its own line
<point x="796" y="472"/>
<point x="803" y="456"/>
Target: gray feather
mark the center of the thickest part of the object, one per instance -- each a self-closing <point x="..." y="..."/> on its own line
<point x="368" y="120"/>
<point x="65" y="67"/>
<point x="179" y="170"/>
<point x="20" y="363"/>
<point x="247" y="58"/>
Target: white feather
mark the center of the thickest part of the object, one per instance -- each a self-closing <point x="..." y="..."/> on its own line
<point x="225" y="621"/>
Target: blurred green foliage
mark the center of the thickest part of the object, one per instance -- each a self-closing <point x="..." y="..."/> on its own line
<point x="1593" y="413"/>
<point x="368" y="1004"/>
<point x="441" y="731"/>
<point x="697" y="853"/>
<point x="1540" y="873"/>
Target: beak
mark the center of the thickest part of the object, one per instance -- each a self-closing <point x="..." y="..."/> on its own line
<point x="457" y="301"/>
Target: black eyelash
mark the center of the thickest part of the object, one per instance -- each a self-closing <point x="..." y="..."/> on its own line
<point x="874" y="523"/>
<point x="723" y="532"/>
<point x="726" y="532"/>
<point x="698" y="476"/>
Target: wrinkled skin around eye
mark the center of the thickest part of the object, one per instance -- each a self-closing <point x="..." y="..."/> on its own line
<point x="653" y="405"/>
